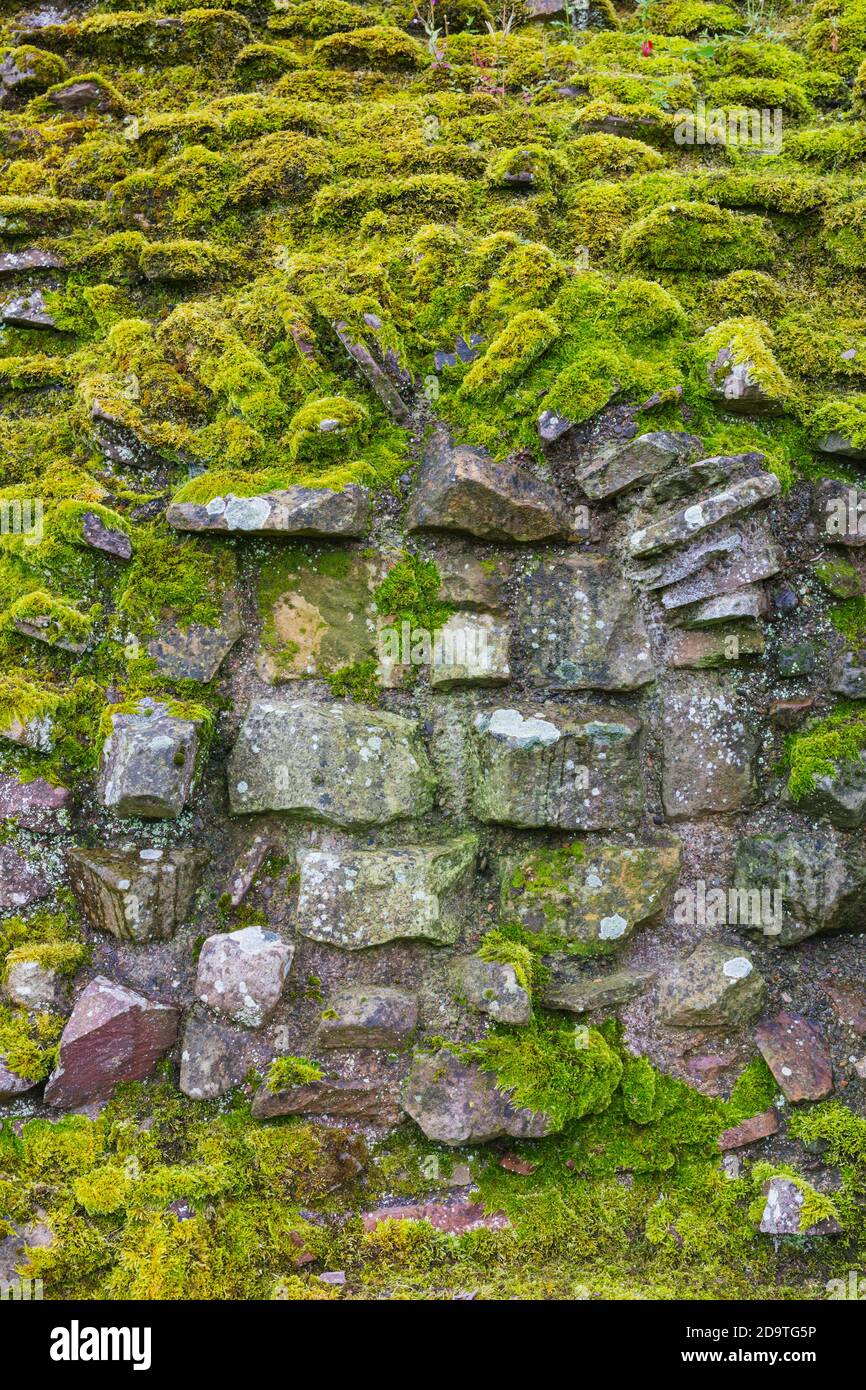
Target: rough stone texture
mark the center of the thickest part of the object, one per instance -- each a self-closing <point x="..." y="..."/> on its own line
<point x="36" y="805"/>
<point x="109" y="539"/>
<point x="751" y="1130"/>
<point x="822" y="882"/>
<point x="736" y="386"/>
<point x="214" y="1058"/>
<point x="492" y="988"/>
<point x="338" y="763"/>
<point x="361" y="898"/>
<point x="455" y="1103"/>
<point x="34" y="985"/>
<point x="461" y="489"/>
<point x="841" y="797"/>
<point x="321" y="621"/>
<point x="242" y="974"/>
<point x="368" y="1016"/>
<point x="27" y="311"/>
<point x="351" y="1100"/>
<point x="782" y="1215"/>
<point x="682" y="525"/>
<point x="795" y="1052"/>
<point x="553" y="768"/>
<point x="113" y="1034"/>
<point x="195" y="653"/>
<point x="136" y="894"/>
<point x="292" y="511"/>
<point x="148" y="762"/>
<point x="617" y="467"/>
<point x="849" y="1005"/>
<point x="715" y="986"/>
<point x="575" y="990"/>
<point x="20" y="262"/>
<point x="470" y="649"/>
<point x="708" y="749"/>
<point x="584" y="628"/>
<point x="453" y="1218"/>
<point x="20" y="885"/>
<point x="597" y="895"/>
<point x="11" y="1085"/>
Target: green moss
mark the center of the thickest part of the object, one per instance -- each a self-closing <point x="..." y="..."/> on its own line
<point x="842" y="580"/>
<point x="51" y="619"/>
<point x="323" y="430"/>
<point x="28" y="1042"/>
<point x="748" y="340"/>
<point x="378" y="46"/>
<point x="23" y="702"/>
<point x="357" y="682"/>
<point x="180" y="578"/>
<point x="689" y="17"/>
<point x="565" y="1073"/>
<point x="510" y="354"/>
<point x="65" y="957"/>
<point x="699" y="236"/>
<point x="845" y="226"/>
<point x="501" y="949"/>
<point x="824" y="745"/>
<point x="410" y="593"/>
<point x="286" y="1072"/>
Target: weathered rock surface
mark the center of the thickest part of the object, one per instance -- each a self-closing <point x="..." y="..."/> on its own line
<point x="337" y="763"/>
<point x="195" y="653"/>
<point x="750" y="1131"/>
<point x="27" y="311"/>
<point x="849" y="1006"/>
<point x="682" y="525"/>
<point x="352" y="1100"/>
<point x="21" y="262"/>
<point x="457" y="1103"/>
<point x="554" y="768"/>
<point x="34" y="985"/>
<point x="736" y="385"/>
<point x="322" y="617"/>
<point x="148" y="762"/>
<point x="708" y="749"/>
<point x="470" y="649"/>
<point x="368" y="1016"/>
<point x="797" y="1055"/>
<point x="617" y="467"/>
<point x="12" y="1085"/>
<point x="584" y="628"/>
<point x="573" y="989"/>
<point x="361" y="898"/>
<point x="493" y="988"/>
<point x="214" y="1058"/>
<point x="783" y="1212"/>
<point x="461" y="489"/>
<point x="36" y="805"/>
<point x="291" y="511"/>
<point x="821" y="881"/>
<point x="595" y="895"/>
<point x="109" y="539"/>
<point x="715" y="986"/>
<point x="840" y="796"/>
<point x="454" y="1217"/>
<point x="136" y="894"/>
<point x="242" y="974"/>
<point x="20" y="885"/>
<point x="113" y="1034"/>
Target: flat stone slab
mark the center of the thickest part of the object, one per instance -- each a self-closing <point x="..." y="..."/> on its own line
<point x="110" y="540"/>
<point x="360" y="898"/>
<point x="583" y="625"/>
<point x="368" y="1016"/>
<point x="318" y="612"/>
<point x="462" y="489"/>
<point x="849" y="1005"/>
<point x="136" y="894"/>
<point x="708" y="749"/>
<point x="27" y="311"/>
<point x="195" y="653"/>
<point x="682" y="525"/>
<point x="751" y="1130"/>
<point x="457" y="1103"/>
<point x="337" y="763"/>
<point x="291" y="511"/>
<point x="596" y="895"/>
<point x="454" y="1218"/>
<point x="574" y="990"/>
<point x="351" y="1100"/>
<point x="114" y="1034"/>
<point x="617" y="467"/>
<point x="148" y="762"/>
<point x="715" y="986"/>
<point x="20" y="885"/>
<point x="36" y="805"/>
<point x="21" y="262"/>
<point x="556" y="768"/>
<point x="12" y="1085"/>
<point x="242" y="974"/>
<point x="798" y="1057"/>
<point x="714" y="648"/>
